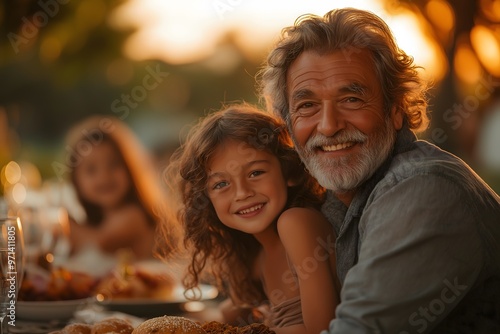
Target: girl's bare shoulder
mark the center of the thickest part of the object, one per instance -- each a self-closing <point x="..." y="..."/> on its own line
<point x="298" y="220"/>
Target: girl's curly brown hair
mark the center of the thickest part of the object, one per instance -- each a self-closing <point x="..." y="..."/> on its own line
<point x="226" y="253"/>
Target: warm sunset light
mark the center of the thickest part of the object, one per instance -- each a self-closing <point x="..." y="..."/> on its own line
<point x="466" y="64"/>
<point x="176" y="32"/>
<point x="192" y="30"/>
<point x="487" y="47"/>
<point x="11" y="172"/>
<point x="414" y="40"/>
<point x="491" y="9"/>
<point x="441" y="14"/>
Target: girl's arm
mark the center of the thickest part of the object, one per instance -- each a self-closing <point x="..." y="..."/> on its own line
<point x="239" y="316"/>
<point x="309" y="241"/>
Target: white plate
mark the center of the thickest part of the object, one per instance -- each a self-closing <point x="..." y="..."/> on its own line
<point x="158" y="307"/>
<point x="50" y="310"/>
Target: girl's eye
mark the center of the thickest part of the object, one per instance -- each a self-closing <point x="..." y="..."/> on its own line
<point x="220" y="185"/>
<point x="256" y="173"/>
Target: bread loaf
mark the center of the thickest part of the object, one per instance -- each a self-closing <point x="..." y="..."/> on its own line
<point x="169" y="325"/>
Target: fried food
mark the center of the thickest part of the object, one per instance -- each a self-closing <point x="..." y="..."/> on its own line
<point x="215" y="327"/>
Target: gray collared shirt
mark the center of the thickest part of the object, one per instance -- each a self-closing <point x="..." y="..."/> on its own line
<point x="418" y="249"/>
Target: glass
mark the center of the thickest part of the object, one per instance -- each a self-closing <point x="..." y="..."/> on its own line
<point x="46" y="236"/>
<point x="55" y="243"/>
<point x="11" y="268"/>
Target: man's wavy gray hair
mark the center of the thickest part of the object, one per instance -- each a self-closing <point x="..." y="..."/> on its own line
<point x="348" y="30"/>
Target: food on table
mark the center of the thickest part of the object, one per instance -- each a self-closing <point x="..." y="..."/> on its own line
<point x="75" y="329"/>
<point x="163" y="325"/>
<point x="169" y="325"/>
<point x="106" y="326"/>
<point x="112" y="325"/>
<point x="133" y="282"/>
<point x="215" y="327"/>
<point x="58" y="284"/>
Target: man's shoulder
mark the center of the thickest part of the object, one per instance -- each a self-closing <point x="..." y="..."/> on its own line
<point x="433" y="168"/>
<point x="427" y="159"/>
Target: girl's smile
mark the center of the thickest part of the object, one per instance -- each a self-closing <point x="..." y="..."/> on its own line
<point x="251" y="210"/>
<point x="246" y="186"/>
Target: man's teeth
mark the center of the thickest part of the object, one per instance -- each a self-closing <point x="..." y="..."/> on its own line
<point x="337" y="147"/>
<point x="252" y="209"/>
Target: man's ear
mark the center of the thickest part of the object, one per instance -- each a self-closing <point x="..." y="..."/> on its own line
<point x="397" y="116"/>
<point x="291" y="183"/>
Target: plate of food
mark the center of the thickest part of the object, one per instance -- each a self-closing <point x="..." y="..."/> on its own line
<point x="172" y="303"/>
<point x="149" y="289"/>
<point x="53" y="295"/>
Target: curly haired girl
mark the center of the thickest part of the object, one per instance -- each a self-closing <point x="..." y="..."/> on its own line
<point x="250" y="214"/>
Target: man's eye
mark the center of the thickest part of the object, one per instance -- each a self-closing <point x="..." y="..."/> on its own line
<point x="352" y="102"/>
<point x="305" y="109"/>
<point x="305" y="105"/>
<point x="352" y="99"/>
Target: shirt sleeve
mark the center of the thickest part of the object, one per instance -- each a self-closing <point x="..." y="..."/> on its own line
<point x="420" y="254"/>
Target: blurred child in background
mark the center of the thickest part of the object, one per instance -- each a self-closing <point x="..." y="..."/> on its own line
<point x="116" y="184"/>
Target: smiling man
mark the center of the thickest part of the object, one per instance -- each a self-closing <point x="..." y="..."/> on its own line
<point x="418" y="246"/>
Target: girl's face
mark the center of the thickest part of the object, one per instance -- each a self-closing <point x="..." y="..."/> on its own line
<point x="246" y="187"/>
<point x="102" y="177"/>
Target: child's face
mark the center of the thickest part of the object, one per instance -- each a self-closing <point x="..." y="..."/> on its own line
<point x="102" y="177"/>
<point x="246" y="187"/>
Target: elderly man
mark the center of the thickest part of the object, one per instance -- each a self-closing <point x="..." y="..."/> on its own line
<point x="418" y="246"/>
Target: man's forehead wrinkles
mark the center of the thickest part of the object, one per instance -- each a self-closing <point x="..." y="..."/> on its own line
<point x="322" y="78"/>
<point x="301" y="72"/>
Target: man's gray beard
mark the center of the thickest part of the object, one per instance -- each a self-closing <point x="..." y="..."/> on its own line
<point x="348" y="172"/>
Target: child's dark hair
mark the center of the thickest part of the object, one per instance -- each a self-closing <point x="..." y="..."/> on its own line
<point x="229" y="253"/>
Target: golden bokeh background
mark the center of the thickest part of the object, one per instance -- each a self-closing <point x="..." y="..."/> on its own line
<point x="161" y="64"/>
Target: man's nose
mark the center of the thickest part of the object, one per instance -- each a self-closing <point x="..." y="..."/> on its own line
<point x="331" y="119"/>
